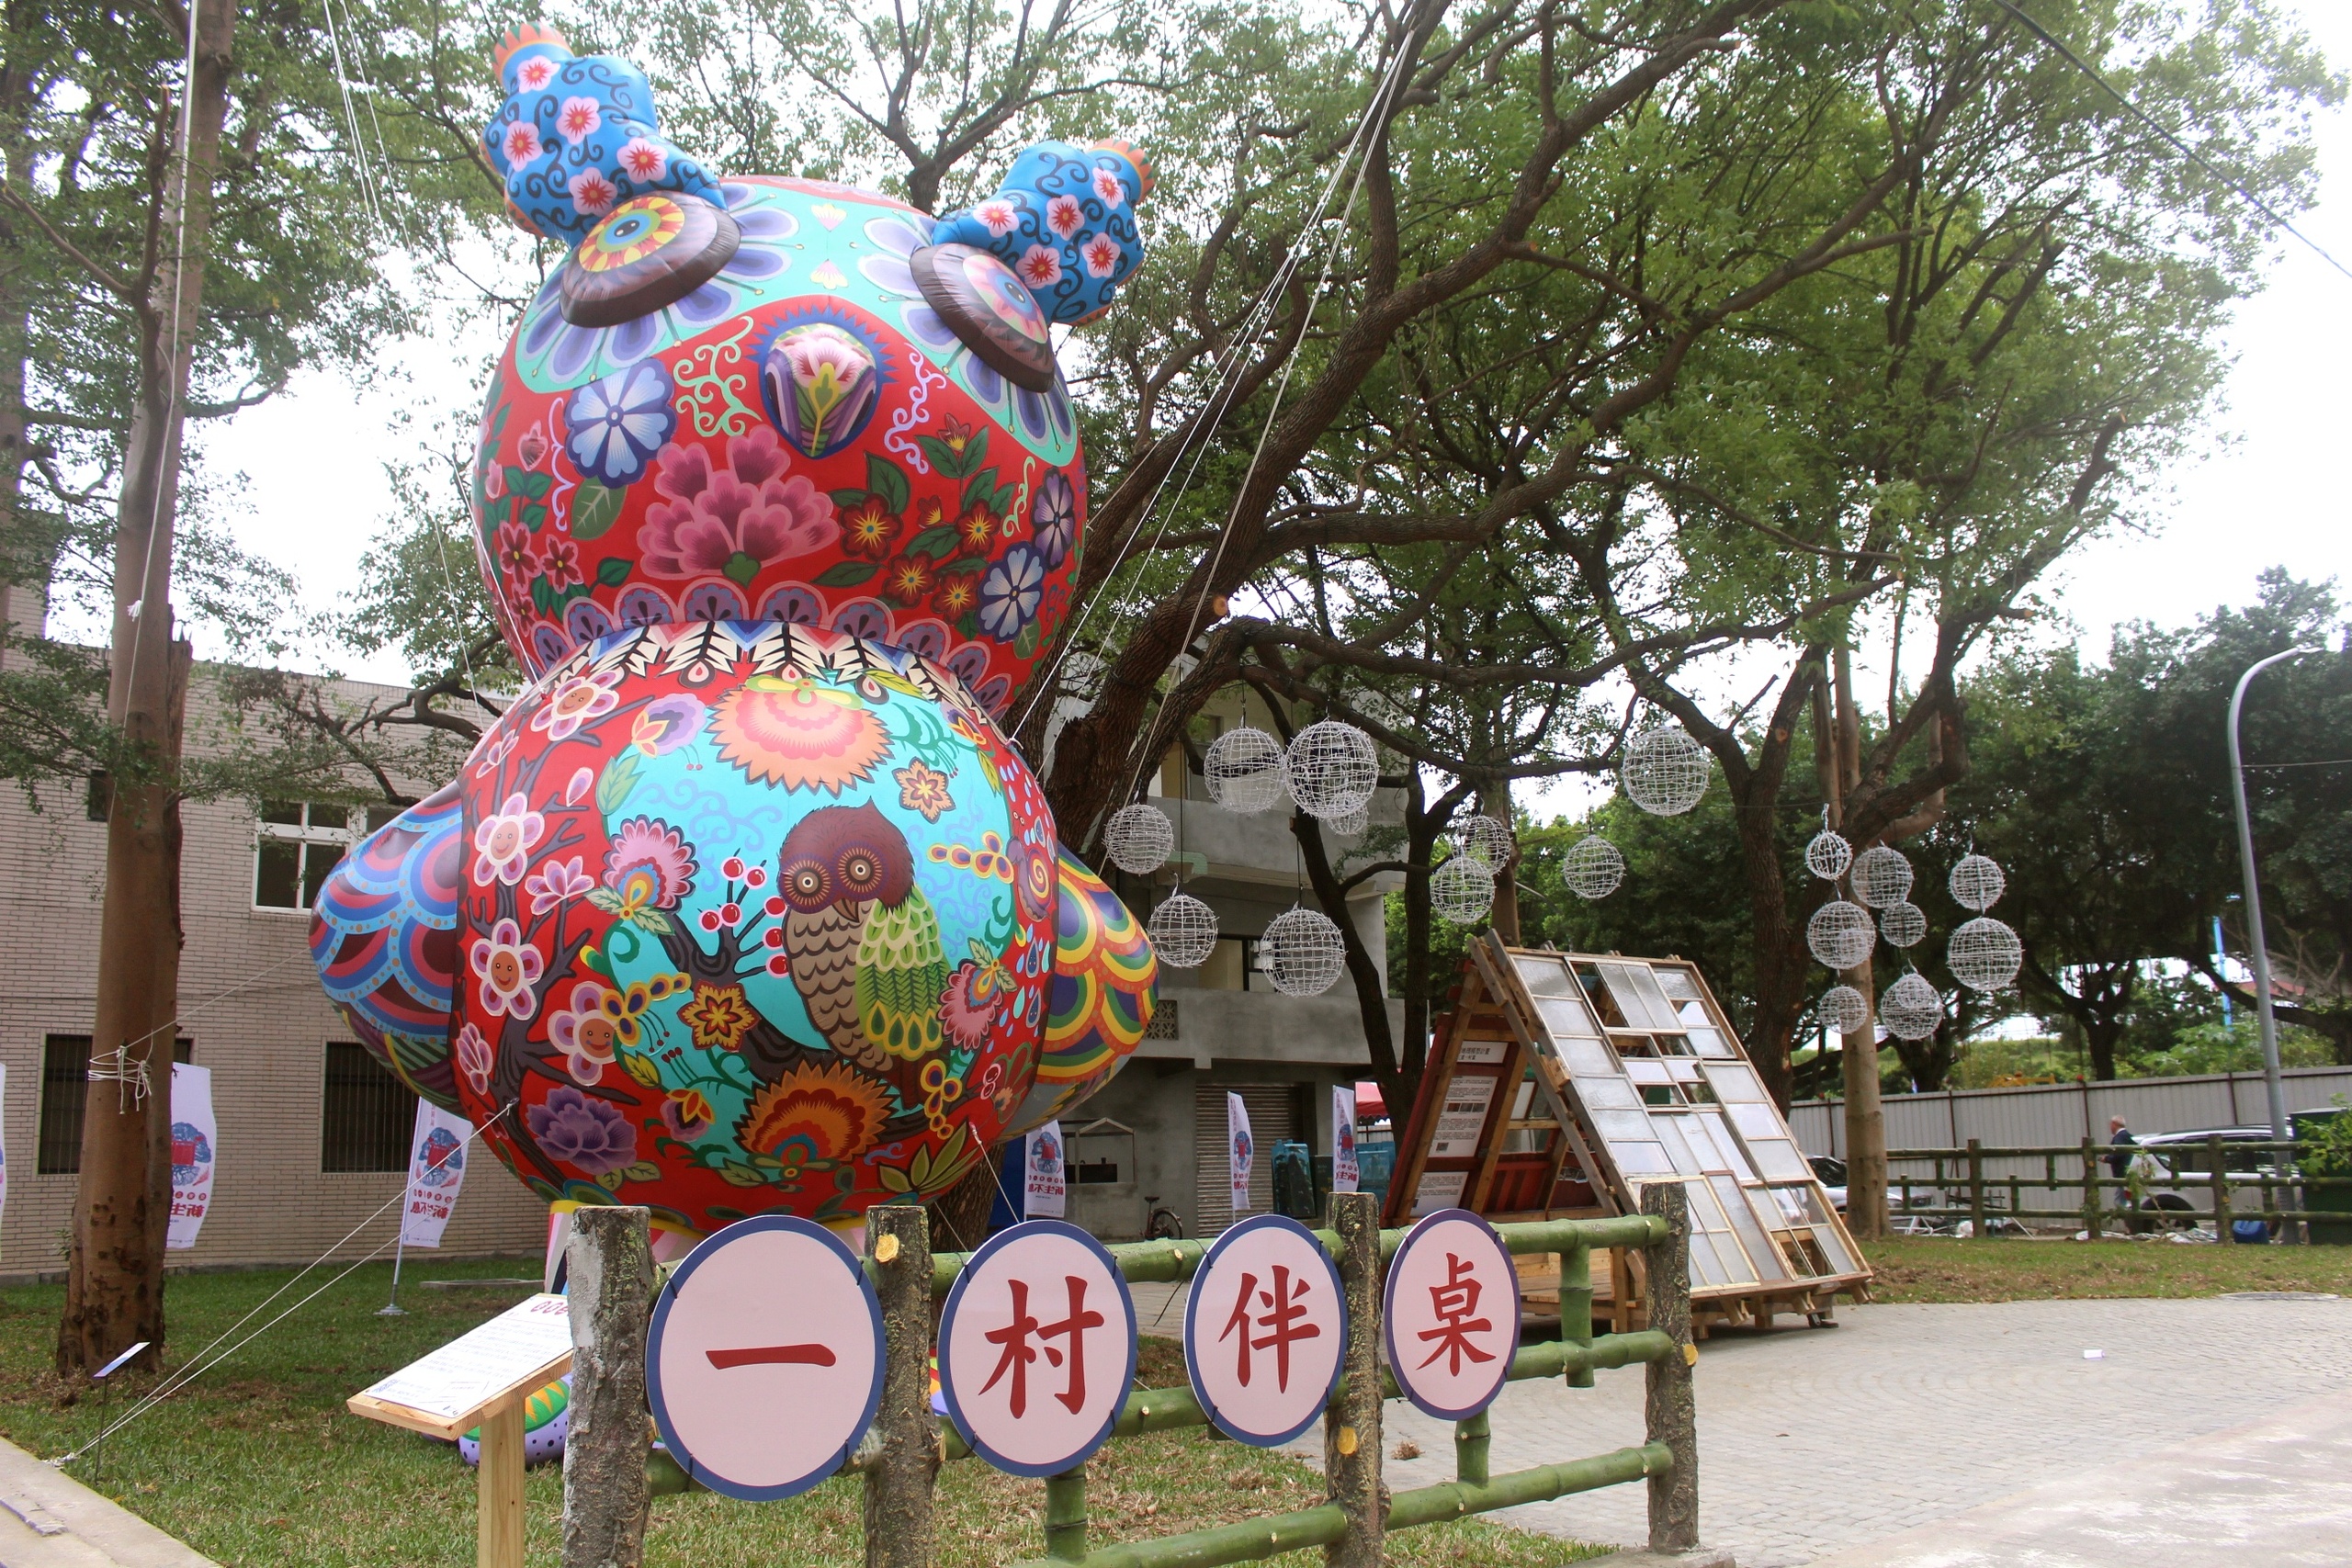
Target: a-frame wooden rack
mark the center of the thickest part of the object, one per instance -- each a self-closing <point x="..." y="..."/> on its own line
<point x="1560" y="1084"/>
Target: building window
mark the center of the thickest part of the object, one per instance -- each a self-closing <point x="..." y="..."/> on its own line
<point x="367" y="1114"/>
<point x="64" y="1090"/>
<point x="297" y="842"/>
<point x="97" y="803"/>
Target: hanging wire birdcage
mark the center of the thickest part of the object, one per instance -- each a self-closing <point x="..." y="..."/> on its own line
<point x="1977" y="883"/>
<point x="1880" y="877"/>
<point x="1840" y="934"/>
<point x="1332" y="769"/>
<point x="1351" y="824"/>
<point x="1302" y="951"/>
<point x="1901" y="923"/>
<point x="1844" y="1008"/>
<point x="1665" y="771"/>
<point x="1462" y="891"/>
<point x="1183" y="931"/>
<point x="1829" y="855"/>
<point x="1138" y="838"/>
<point x="1244" y="770"/>
<point x="1911" y="1008"/>
<point x="1593" y="868"/>
<point x="1984" y="955"/>
<point x="1485" y="839"/>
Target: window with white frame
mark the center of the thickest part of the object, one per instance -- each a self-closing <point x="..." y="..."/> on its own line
<point x="297" y="842"/>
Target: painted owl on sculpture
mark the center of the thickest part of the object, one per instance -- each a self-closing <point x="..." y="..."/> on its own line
<point x="746" y="904"/>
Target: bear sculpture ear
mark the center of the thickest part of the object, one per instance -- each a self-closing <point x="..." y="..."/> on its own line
<point x="1064" y="220"/>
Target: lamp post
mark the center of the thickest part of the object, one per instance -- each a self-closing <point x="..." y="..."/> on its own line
<point x="2257" y="950"/>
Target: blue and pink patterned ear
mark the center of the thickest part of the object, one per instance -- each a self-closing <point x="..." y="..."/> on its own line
<point x="1064" y="219"/>
<point x="578" y="136"/>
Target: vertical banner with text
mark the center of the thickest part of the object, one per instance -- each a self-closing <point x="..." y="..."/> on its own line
<point x="436" y="1170"/>
<point x="1239" y="1151"/>
<point x="194" y="1144"/>
<point x="4" y="1138"/>
<point x="1345" y="1173"/>
<point x="1044" y="1192"/>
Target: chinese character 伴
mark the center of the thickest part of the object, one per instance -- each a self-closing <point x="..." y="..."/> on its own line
<point x="1283" y="1322"/>
<point x="1453" y="1303"/>
<point x="1019" y="1353"/>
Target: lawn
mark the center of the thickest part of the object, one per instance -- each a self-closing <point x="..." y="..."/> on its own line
<point x="258" y="1463"/>
<point x="2001" y="1269"/>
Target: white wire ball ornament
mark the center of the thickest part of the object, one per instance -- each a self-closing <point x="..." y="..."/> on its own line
<point x="1840" y="934"/>
<point x="1829" y="855"/>
<point x="1303" y="952"/>
<point x="1593" y="868"/>
<point x="1912" y="1008"/>
<point x="1183" y="931"/>
<point x="1244" y="770"/>
<point x="1984" y="955"/>
<point x="1485" y="839"/>
<point x="1977" y="883"/>
<point x="1902" y="923"/>
<point x="1349" y="824"/>
<point x="1332" y="769"/>
<point x="1462" y="891"/>
<point x="1882" y="876"/>
<point x="1844" y="1008"/>
<point x="1665" y="771"/>
<point x="1138" y="838"/>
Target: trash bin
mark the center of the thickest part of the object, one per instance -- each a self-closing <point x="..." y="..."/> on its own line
<point x="1294" y="1182"/>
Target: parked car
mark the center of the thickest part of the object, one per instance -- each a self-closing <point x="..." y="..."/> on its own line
<point x="2187" y="1155"/>
<point x="1830" y="1171"/>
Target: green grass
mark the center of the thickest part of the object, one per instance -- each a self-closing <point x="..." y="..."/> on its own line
<point x="2001" y="1269"/>
<point x="258" y="1463"/>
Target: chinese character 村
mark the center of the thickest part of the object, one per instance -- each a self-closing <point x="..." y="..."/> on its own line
<point x="1283" y="1321"/>
<point x="1453" y="1303"/>
<point x="1018" y="1352"/>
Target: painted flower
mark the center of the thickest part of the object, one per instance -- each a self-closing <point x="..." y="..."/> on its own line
<point x="970" y="1001"/>
<point x="575" y="791"/>
<point x="736" y="521"/>
<point x="1102" y="254"/>
<point x="1063" y="215"/>
<point x="522" y="144"/>
<point x="1108" y="190"/>
<point x="585" y="1133"/>
<point x="578" y="118"/>
<point x="1041" y="266"/>
<point x="667" y="723"/>
<point x="924" y="789"/>
<point x="1053" y="518"/>
<point x="910" y="578"/>
<point x="814" y="1118"/>
<point x="531" y="447"/>
<point x="823" y="383"/>
<point x="624" y="1011"/>
<point x="1009" y="593"/>
<point x="688" y="1114"/>
<point x="557" y="882"/>
<point x="559" y="564"/>
<point x="535" y="73"/>
<point x="493" y="748"/>
<point x="999" y="216"/>
<point x="583" y="1032"/>
<point x="869" y="529"/>
<point x="615" y="423"/>
<point x="592" y="194"/>
<point x="503" y="841"/>
<point x="798" y="734"/>
<point x="643" y="161"/>
<point x="516" y="560"/>
<point x="475" y="1057"/>
<point x="977" y="528"/>
<point x="648" y="866"/>
<point x="958" y="592"/>
<point x="579" y="699"/>
<point x="719" y="1017"/>
<point x="955" y="435"/>
<point x="508" y="969"/>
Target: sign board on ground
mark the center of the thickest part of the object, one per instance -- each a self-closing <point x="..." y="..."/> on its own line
<point x="517" y="1352"/>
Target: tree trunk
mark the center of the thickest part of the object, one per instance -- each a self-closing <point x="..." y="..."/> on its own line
<point x="115" y="1289"/>
<point x="1865" y="1121"/>
<point x="1494" y="799"/>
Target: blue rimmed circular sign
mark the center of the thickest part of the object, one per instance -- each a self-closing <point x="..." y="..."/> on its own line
<point x="1038" y="1348"/>
<point x="1265" y="1330"/>
<point x="1450" y="1315"/>
<point x="764" y="1366"/>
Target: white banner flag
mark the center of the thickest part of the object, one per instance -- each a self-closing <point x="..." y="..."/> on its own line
<point x="1344" y="1172"/>
<point x="436" y="1170"/>
<point x="195" y="1145"/>
<point x="1239" y="1151"/>
<point x="3" y="1137"/>
<point x="1044" y="1192"/>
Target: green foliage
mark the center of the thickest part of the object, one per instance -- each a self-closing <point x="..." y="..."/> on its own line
<point x="2324" y="1146"/>
<point x="2219" y="1048"/>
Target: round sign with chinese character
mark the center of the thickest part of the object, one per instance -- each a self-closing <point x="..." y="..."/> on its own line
<point x="1451" y="1314"/>
<point x="1038" y="1348"/>
<point x="764" y="1366"/>
<point x="1265" y="1329"/>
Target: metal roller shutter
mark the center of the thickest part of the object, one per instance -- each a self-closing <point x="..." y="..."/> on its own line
<point x="1274" y="1117"/>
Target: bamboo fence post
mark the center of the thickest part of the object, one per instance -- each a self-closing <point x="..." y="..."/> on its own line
<point x="1066" y="1515"/>
<point x="2224" y="1226"/>
<point x="899" y="1528"/>
<point x="1351" y="1426"/>
<point x="2090" y="1190"/>
<point x="605" y="1496"/>
<point x="1976" y="1187"/>
<point x="1669" y="1410"/>
<point x="1472" y="1442"/>
<point x="1575" y="1307"/>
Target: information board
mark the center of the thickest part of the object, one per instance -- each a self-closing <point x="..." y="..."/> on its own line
<point x="522" y="1349"/>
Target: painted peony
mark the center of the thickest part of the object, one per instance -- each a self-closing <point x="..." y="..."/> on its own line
<point x="734" y="521"/>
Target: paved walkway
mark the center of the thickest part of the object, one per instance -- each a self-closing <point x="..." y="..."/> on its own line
<point x="48" y="1520"/>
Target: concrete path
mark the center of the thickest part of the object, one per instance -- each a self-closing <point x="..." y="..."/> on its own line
<point x="48" y="1520"/>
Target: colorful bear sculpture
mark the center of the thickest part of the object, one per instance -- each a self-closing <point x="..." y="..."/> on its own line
<point x="746" y="905"/>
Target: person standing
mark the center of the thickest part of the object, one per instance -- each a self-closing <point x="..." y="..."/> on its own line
<point x="2120" y="1138"/>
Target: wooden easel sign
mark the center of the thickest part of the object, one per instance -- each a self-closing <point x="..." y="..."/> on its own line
<point x="482" y="1378"/>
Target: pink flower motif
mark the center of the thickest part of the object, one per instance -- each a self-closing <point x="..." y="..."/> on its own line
<point x="523" y="144"/>
<point x="1102" y="254"/>
<point x="582" y="781"/>
<point x="577" y="119"/>
<point x="641" y="160"/>
<point x="503" y="841"/>
<point x="1107" y="186"/>
<point x="1063" y="216"/>
<point x="736" y="521"/>
<point x="592" y="194"/>
<point x="1041" y="266"/>
<point x="515" y="557"/>
<point x="495" y="749"/>
<point x="507" y="968"/>
<point x="578" y="700"/>
<point x="649" y="865"/>
<point x="475" y="1058"/>
<point x="585" y="1031"/>
<point x="557" y="882"/>
<point x="535" y="73"/>
<point x="998" y="215"/>
<point x="559" y="560"/>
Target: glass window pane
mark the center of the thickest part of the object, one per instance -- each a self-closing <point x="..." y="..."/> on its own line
<point x="1707" y="1043"/>
<point x="1640" y="1159"/>
<point x="1675" y="983"/>
<point x="366" y="1114"/>
<point x="1736" y="1082"/>
<point x="1612" y="1091"/>
<point x="1546" y="976"/>
<point x="382" y="815"/>
<point x="317" y="860"/>
<point x="1637" y="995"/>
<point x="1612" y="1125"/>
<point x="1588" y="1058"/>
<point x="1761" y="1250"/>
<point x="1777" y="1160"/>
<point x="1567" y="1015"/>
<point x="1642" y="1071"/>
<point x="277" y="875"/>
<point x="286" y="813"/>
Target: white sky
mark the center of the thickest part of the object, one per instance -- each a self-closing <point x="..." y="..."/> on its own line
<point x="2272" y="488"/>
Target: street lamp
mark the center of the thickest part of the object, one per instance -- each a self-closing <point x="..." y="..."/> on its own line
<point x="2257" y="950"/>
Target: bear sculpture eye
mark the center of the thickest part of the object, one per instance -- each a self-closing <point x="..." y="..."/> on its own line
<point x="989" y="309"/>
<point x="648" y="251"/>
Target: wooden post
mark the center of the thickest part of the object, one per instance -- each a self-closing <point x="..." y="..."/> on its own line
<point x="498" y="1489"/>
<point x="2219" y="1172"/>
<point x="1669" y="1410"/>
<point x="1576" y="1306"/>
<point x="605" y="1499"/>
<point x="1066" y="1515"/>
<point x="2090" y="1190"/>
<point x="1351" y="1428"/>
<point x="898" y="1531"/>
<point x="1976" y="1187"/>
